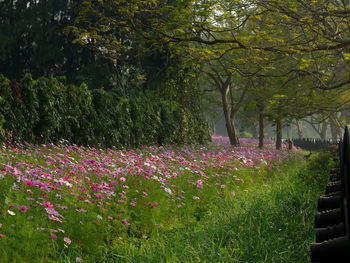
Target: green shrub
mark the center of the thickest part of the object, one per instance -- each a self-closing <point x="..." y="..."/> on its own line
<point x="45" y="110"/>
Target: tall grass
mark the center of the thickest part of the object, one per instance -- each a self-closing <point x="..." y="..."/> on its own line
<point x="181" y="204"/>
<point x="267" y="221"/>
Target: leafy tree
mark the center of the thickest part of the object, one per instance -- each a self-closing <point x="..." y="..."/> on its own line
<point x="32" y="39"/>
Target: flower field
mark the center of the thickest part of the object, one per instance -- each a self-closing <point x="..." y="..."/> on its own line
<point x="71" y="200"/>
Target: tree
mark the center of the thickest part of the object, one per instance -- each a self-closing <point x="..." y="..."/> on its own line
<point x="33" y="40"/>
<point x="283" y="43"/>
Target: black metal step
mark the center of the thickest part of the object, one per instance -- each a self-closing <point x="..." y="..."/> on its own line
<point x="330" y="232"/>
<point x="328" y="218"/>
<point x="334" y="187"/>
<point x="329" y="202"/>
<point x="335" y="250"/>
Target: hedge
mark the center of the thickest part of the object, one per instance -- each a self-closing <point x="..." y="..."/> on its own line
<point x="47" y="111"/>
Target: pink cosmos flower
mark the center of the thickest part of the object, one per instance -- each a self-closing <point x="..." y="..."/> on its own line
<point x="29" y="183"/>
<point x="52" y="211"/>
<point x="199" y="183"/>
<point x="2" y="235"/>
<point x="77" y="259"/>
<point x="53" y="235"/>
<point x="125" y="222"/>
<point x="23" y="208"/>
<point x="54" y="218"/>
<point x="67" y="240"/>
<point x="99" y="196"/>
<point x="47" y="204"/>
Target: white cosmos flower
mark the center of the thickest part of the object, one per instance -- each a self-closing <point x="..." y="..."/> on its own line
<point x="11" y="212"/>
<point x="168" y="190"/>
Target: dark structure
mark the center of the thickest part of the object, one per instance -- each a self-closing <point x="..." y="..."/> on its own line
<point x="311" y="144"/>
<point x="332" y="222"/>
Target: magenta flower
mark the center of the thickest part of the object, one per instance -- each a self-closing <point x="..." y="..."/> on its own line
<point x="23" y="208"/>
<point x="29" y="183"/>
<point x="53" y="235"/>
<point x="47" y="204"/>
<point x="2" y="235"/>
<point x="125" y="222"/>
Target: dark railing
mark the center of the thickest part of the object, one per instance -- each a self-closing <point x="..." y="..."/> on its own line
<point x="332" y="220"/>
<point x="311" y="144"/>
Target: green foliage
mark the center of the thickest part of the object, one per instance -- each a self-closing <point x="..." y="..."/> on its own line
<point x="45" y="110"/>
<point x="32" y="39"/>
<point x="317" y="170"/>
<point x="79" y="111"/>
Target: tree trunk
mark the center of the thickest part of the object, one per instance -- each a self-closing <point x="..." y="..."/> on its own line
<point x="323" y="132"/>
<point x="213" y="127"/>
<point x="335" y="127"/>
<point x="231" y="131"/>
<point x="299" y="129"/>
<point x="229" y="113"/>
<point x="278" y="134"/>
<point x="261" y="127"/>
<point x="347" y="116"/>
<point x="321" y="129"/>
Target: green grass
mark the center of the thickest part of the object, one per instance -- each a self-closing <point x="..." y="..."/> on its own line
<point x="267" y="221"/>
<point x="265" y="216"/>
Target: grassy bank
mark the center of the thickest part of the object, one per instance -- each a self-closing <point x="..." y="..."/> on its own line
<point x="270" y="221"/>
<point x="190" y="203"/>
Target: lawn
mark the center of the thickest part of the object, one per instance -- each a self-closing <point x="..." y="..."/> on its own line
<point x="191" y="203"/>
